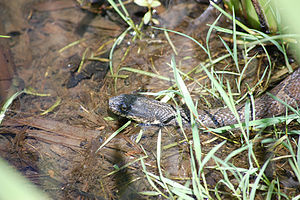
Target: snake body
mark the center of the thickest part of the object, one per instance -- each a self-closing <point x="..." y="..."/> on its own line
<point x="151" y="112"/>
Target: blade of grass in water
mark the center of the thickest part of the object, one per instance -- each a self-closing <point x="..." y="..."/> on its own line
<point x="176" y="188"/>
<point x="295" y="161"/>
<point x="57" y="102"/>
<point x="250" y="31"/>
<point x="235" y="57"/>
<point x="146" y="73"/>
<point x="189" y="102"/>
<point x="149" y="193"/>
<point x="117" y="42"/>
<point x="7" y="103"/>
<point x="245" y="36"/>
<point x="150" y="181"/>
<point x="184" y="35"/>
<point x="243" y="72"/>
<point x="113" y="135"/>
<point x="258" y="124"/>
<point x="5" y="36"/>
<point x="227" y="47"/>
<point x="258" y="179"/>
<point x="256" y="85"/>
<point x="210" y="154"/>
<point x="71" y="45"/>
<point x="158" y="157"/>
<point x="208" y="36"/>
<point x="82" y="59"/>
<point x="125" y="166"/>
<point x="238" y="173"/>
<point x="170" y="42"/>
<point x="271" y="190"/>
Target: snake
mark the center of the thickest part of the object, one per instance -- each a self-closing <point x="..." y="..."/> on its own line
<point x="150" y="112"/>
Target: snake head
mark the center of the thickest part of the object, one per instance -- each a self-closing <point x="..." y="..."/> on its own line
<point x="132" y="107"/>
<point x="146" y="111"/>
<point x="121" y="105"/>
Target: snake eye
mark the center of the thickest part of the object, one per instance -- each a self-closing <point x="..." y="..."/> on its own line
<point x="123" y="107"/>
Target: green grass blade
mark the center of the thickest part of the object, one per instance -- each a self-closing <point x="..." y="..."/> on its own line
<point x="117" y="42"/>
<point x="113" y="135"/>
<point x="7" y="103"/>
<point x="257" y="180"/>
<point x="184" y="35"/>
<point x="158" y="157"/>
<point x="146" y="73"/>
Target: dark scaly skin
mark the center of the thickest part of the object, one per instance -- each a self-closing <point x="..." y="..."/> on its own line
<point x="145" y="110"/>
<point x="151" y="112"/>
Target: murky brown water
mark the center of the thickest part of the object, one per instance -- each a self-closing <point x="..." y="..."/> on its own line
<point x="57" y="150"/>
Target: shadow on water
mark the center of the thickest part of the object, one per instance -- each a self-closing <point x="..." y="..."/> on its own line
<point x="125" y="189"/>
